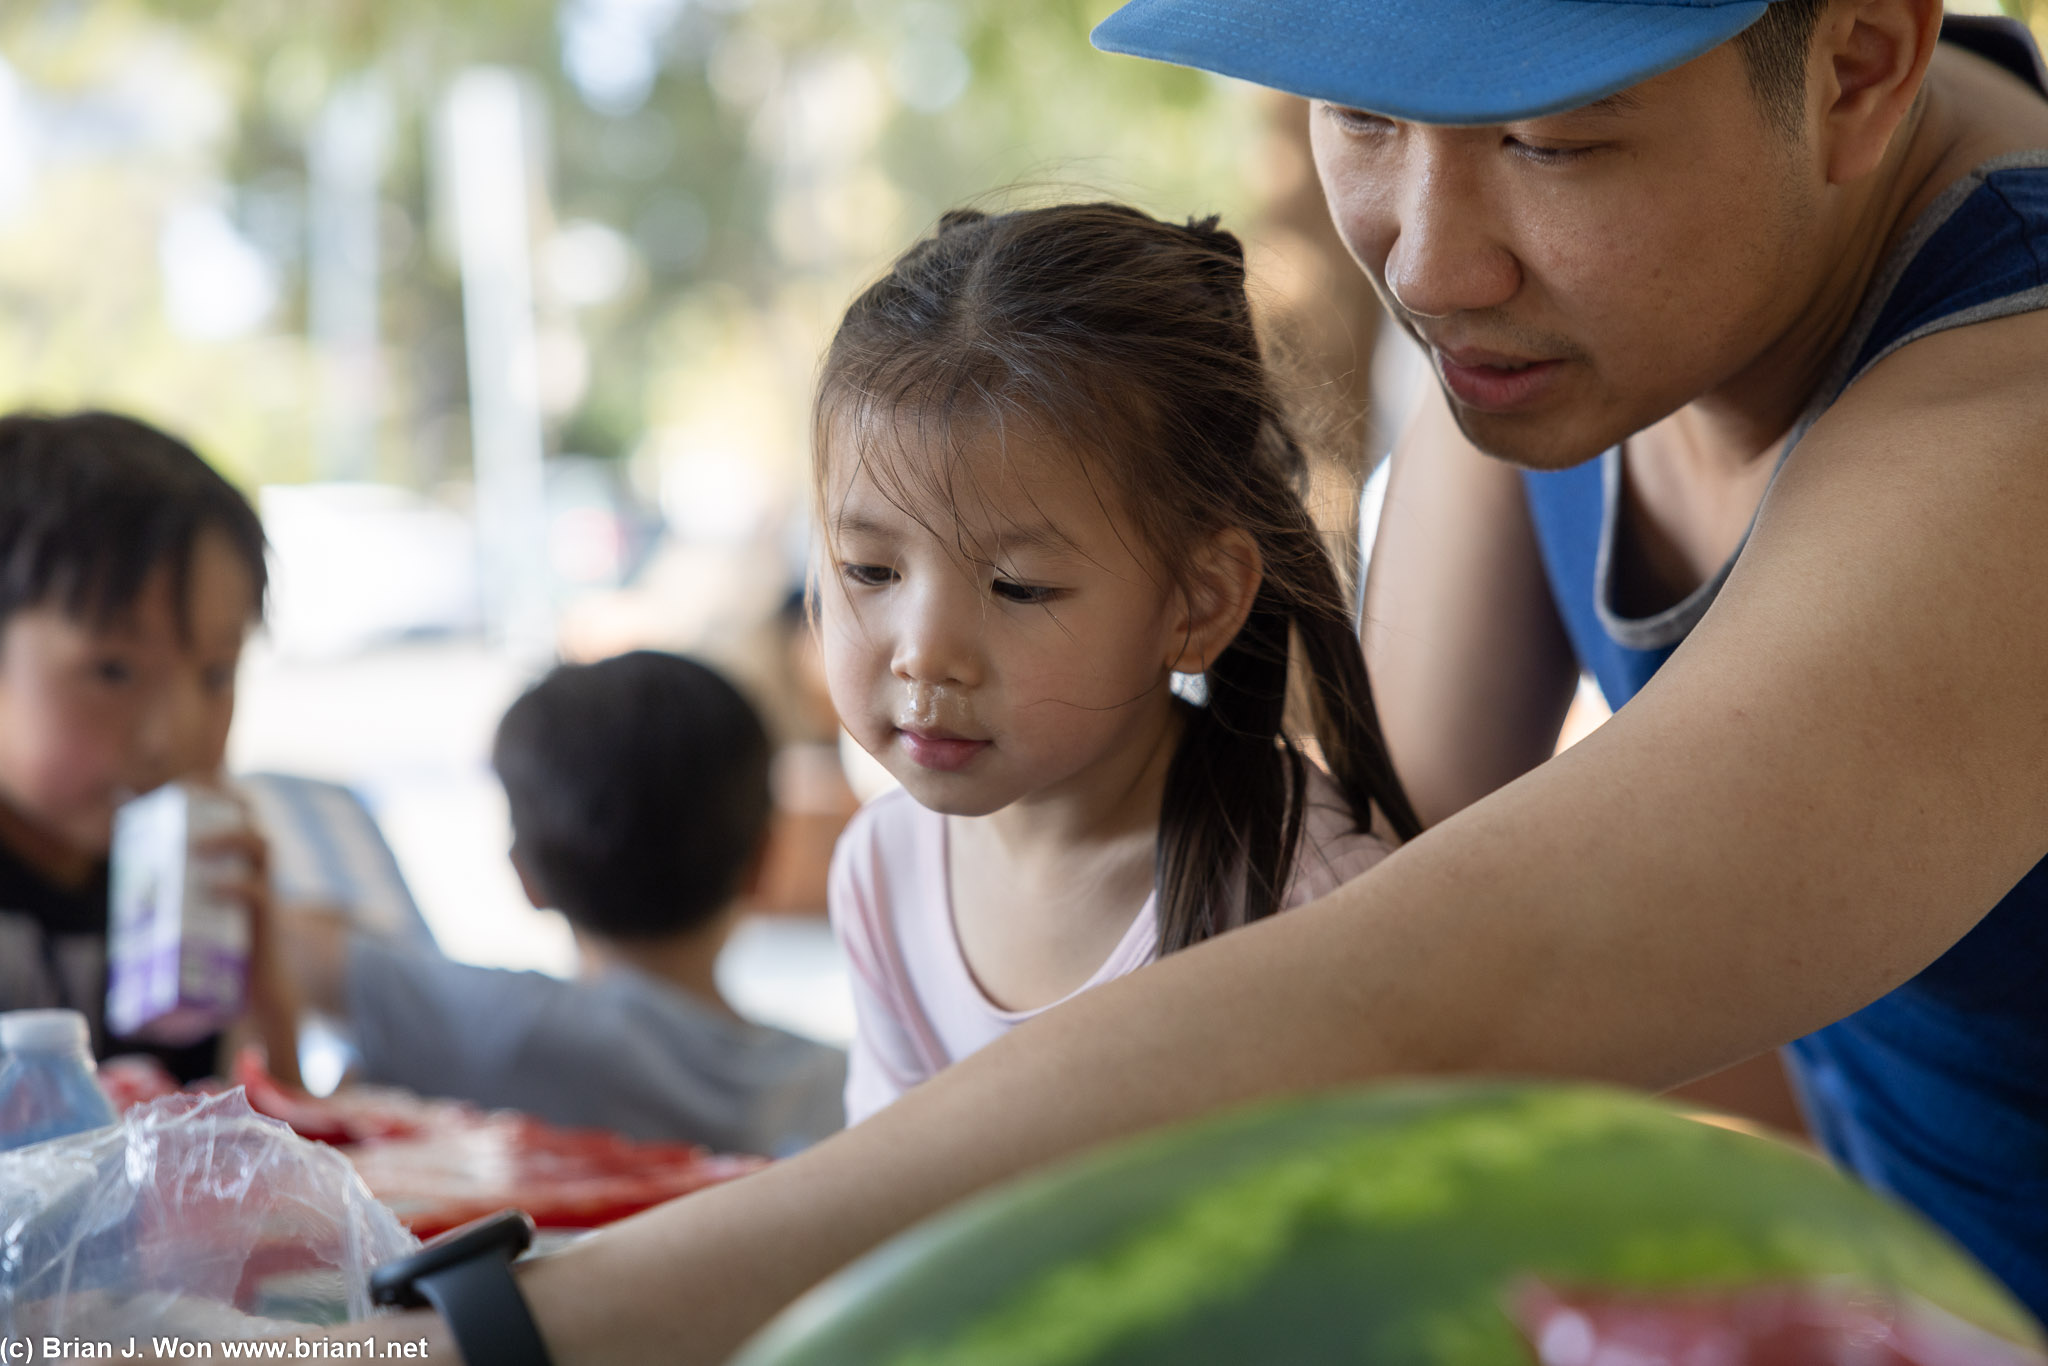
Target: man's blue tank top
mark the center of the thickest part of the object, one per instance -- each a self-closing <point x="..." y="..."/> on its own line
<point x="1937" y="1092"/>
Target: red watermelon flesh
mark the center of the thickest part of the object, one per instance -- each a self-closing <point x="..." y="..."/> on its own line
<point x="1780" y="1325"/>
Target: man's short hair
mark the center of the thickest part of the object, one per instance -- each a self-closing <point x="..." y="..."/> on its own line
<point x="1775" y="49"/>
<point x="93" y="503"/>
<point x="639" y="792"/>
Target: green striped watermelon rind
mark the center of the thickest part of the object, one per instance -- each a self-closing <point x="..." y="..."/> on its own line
<point x="1384" y="1225"/>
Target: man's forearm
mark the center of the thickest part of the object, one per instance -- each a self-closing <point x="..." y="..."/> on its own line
<point x="1483" y="946"/>
<point x="1584" y="921"/>
<point x="1196" y="1033"/>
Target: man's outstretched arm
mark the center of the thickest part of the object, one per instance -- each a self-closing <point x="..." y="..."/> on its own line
<point x="1837" y="775"/>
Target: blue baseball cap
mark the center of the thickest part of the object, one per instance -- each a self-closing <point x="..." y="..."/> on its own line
<point x="1431" y="61"/>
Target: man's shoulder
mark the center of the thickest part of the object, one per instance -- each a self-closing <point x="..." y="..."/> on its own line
<point x="1965" y="393"/>
<point x="1960" y="311"/>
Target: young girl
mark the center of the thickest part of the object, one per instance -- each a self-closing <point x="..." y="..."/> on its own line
<point x="1053" y="474"/>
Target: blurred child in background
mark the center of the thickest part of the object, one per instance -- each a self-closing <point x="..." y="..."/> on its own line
<point x="130" y="575"/>
<point x="640" y="803"/>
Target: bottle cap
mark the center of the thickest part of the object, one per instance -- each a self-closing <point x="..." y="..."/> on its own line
<point x="43" y="1031"/>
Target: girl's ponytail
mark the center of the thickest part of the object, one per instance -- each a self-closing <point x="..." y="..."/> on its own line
<point x="1237" y="791"/>
<point x="1232" y="812"/>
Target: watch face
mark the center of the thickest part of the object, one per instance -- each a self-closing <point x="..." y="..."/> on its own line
<point x="508" y="1232"/>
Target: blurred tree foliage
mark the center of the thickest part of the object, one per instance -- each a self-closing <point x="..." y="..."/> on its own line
<point x="756" y="158"/>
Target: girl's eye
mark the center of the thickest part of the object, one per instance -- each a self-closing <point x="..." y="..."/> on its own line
<point x="867" y="575"/>
<point x="1021" y="593"/>
<point x="218" y="679"/>
<point x="113" y="671"/>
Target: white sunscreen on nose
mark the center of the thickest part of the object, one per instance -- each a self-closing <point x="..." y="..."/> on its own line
<point x="924" y="703"/>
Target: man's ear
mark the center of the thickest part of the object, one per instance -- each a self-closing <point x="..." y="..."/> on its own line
<point x="1221" y="585"/>
<point x="1869" y="57"/>
<point x="528" y="883"/>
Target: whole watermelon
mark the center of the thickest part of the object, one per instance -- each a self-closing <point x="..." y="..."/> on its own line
<point x="1389" y="1226"/>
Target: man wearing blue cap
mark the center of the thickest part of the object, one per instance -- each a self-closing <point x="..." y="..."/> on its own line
<point x="1744" y="349"/>
<point x="1739" y="314"/>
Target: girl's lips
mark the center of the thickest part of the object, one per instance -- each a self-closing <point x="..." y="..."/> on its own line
<point x="1498" y="387"/>
<point x="940" y="753"/>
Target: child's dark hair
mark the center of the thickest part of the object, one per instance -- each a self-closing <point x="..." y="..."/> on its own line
<point x="1131" y="340"/>
<point x="639" y="792"/>
<point x="93" y="503"/>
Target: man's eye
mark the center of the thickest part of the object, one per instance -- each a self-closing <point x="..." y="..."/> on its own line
<point x="1358" y="120"/>
<point x="867" y="575"/>
<point x="1020" y="592"/>
<point x="1545" y="155"/>
<point x="219" y="678"/>
<point x="115" y="671"/>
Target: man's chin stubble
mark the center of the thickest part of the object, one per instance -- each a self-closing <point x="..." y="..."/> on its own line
<point x="1527" y="443"/>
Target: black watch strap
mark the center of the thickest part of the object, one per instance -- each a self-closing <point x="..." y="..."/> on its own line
<point x="482" y="1306"/>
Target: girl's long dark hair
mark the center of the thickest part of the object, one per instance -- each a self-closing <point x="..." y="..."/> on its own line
<point x="1131" y="340"/>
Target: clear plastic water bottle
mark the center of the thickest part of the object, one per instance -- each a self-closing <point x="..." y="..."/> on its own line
<point x="47" y="1085"/>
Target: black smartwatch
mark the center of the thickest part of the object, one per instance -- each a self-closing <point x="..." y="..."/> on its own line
<point x="466" y="1275"/>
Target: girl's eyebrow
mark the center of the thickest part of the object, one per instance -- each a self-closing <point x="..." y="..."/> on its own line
<point x="859" y="524"/>
<point x="1033" y="536"/>
<point x="1015" y="536"/>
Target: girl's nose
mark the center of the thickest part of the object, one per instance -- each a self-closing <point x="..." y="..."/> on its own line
<point x="936" y="642"/>
<point x="1445" y="256"/>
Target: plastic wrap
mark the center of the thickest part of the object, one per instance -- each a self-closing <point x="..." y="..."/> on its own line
<point x="192" y="1209"/>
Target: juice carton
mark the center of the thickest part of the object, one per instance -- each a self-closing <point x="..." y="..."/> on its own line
<point x="177" y="952"/>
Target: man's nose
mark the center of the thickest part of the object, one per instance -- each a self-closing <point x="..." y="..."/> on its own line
<point x="938" y="638"/>
<point x="1446" y="256"/>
